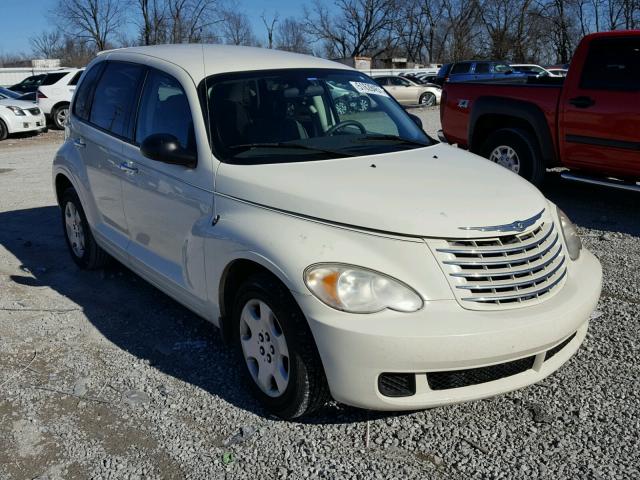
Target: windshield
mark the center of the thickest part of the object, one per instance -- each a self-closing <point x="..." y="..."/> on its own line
<point x="291" y="115"/>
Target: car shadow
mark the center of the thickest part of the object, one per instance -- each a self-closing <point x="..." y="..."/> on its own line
<point x="595" y="207"/>
<point x="137" y="317"/>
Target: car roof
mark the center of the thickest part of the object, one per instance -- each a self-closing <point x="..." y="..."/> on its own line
<point x="223" y="58"/>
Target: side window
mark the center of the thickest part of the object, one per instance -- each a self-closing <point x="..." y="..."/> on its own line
<point x="461" y="68"/>
<point x="164" y="108"/>
<point x="397" y="81"/>
<point x="118" y="91"/>
<point x="612" y="64"/>
<point x="482" y="68"/>
<point x="52" y="78"/>
<point x="501" y="68"/>
<point x="84" y="95"/>
<point x="76" y="77"/>
<point x="382" y="81"/>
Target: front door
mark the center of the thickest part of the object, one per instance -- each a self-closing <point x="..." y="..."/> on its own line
<point x="169" y="207"/>
<point x="599" y="127"/>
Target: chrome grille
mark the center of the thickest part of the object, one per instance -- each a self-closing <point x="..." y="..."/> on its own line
<point x="507" y="270"/>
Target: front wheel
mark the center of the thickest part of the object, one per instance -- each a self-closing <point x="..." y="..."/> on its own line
<point x="4" y="131"/>
<point x="280" y="358"/>
<point x="59" y="116"/>
<point x="517" y="150"/>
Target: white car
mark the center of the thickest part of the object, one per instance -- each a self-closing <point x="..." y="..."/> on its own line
<point x="55" y="93"/>
<point x="18" y="116"/>
<point x="408" y="92"/>
<point x="558" y="72"/>
<point x="532" y="70"/>
<point x="346" y="257"/>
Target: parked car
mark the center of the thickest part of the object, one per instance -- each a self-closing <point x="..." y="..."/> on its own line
<point x="350" y="256"/>
<point x="55" y="92"/>
<point x="480" y="70"/>
<point x="558" y="72"/>
<point x="588" y="124"/>
<point x="29" y="84"/>
<point x="347" y="99"/>
<point x="408" y="92"/>
<point x="532" y="70"/>
<point x="19" y="116"/>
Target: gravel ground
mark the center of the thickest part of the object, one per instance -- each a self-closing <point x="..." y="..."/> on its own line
<point x="102" y="376"/>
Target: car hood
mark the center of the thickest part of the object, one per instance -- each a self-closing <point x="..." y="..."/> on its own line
<point x="427" y="192"/>
<point x="10" y="102"/>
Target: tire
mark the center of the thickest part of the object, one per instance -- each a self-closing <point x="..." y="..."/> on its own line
<point x="59" y="115"/>
<point x="265" y="316"/>
<point x="86" y="253"/>
<point x="4" y="131"/>
<point x="502" y="143"/>
<point x="427" y="99"/>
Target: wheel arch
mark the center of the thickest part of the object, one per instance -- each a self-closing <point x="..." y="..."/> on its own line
<point x="493" y="113"/>
<point x="62" y="182"/>
<point x="60" y="104"/>
<point x="233" y="275"/>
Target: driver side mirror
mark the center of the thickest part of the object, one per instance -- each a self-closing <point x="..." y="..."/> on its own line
<point x="166" y="148"/>
<point x="416" y="119"/>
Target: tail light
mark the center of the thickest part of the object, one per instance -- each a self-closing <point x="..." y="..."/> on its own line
<point x="41" y="95"/>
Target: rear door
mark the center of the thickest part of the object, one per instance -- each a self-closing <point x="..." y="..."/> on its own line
<point x="100" y="122"/>
<point x="600" y="107"/>
<point x="168" y="207"/>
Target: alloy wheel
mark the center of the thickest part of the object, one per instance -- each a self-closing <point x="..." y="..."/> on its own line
<point x="507" y="157"/>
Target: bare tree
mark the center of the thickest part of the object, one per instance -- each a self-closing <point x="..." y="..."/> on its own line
<point x="47" y="44"/>
<point x="270" y="26"/>
<point x="95" y="21"/>
<point x="153" y="22"/>
<point x="291" y="37"/>
<point x="191" y="21"/>
<point x="357" y="27"/>
<point x="236" y="29"/>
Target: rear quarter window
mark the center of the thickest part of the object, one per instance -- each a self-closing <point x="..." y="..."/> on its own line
<point x="84" y="95"/>
<point x="52" y="78"/>
<point x="460" y="68"/>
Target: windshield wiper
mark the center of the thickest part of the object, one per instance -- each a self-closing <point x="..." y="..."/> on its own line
<point x="299" y="146"/>
<point x="394" y="138"/>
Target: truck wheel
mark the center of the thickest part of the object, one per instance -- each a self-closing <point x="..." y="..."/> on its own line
<point x="281" y="361"/>
<point x="515" y="149"/>
<point x="83" y="247"/>
<point x="59" y="116"/>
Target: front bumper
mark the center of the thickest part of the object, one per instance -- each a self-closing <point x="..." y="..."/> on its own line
<point x="356" y="349"/>
<point x="28" y="123"/>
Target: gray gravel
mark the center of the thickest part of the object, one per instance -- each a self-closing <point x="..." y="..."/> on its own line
<point x="102" y="376"/>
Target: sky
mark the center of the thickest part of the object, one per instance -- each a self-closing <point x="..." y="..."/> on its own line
<point x="21" y="19"/>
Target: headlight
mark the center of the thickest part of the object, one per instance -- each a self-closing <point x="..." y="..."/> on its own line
<point x="570" y="234"/>
<point x="359" y="290"/>
<point x="17" y="110"/>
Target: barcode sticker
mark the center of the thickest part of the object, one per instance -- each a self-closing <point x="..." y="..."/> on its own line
<point x="369" y="89"/>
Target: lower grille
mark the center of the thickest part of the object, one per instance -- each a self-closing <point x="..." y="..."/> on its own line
<point x="397" y="384"/>
<point x="550" y="353"/>
<point x="475" y="376"/>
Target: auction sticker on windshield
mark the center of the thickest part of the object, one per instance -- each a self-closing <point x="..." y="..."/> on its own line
<point x="369" y="89"/>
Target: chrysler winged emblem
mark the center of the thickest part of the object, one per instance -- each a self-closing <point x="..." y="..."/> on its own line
<point x="517" y="226"/>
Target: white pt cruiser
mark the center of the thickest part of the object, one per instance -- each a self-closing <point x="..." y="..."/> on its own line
<point x="344" y="254"/>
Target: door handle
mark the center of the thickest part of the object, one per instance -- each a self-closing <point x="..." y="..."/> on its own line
<point x="582" y="102"/>
<point x="128" y="169"/>
<point x="79" y="143"/>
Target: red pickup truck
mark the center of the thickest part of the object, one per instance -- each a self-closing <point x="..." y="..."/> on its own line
<point x="588" y="122"/>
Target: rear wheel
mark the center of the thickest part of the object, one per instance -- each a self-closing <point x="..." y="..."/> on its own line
<point x="83" y="247"/>
<point x="4" y="131"/>
<point x="427" y="99"/>
<point x="59" y="116"/>
<point x="517" y="150"/>
<point x="281" y="361"/>
<point x="364" y="104"/>
<point x="342" y="107"/>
